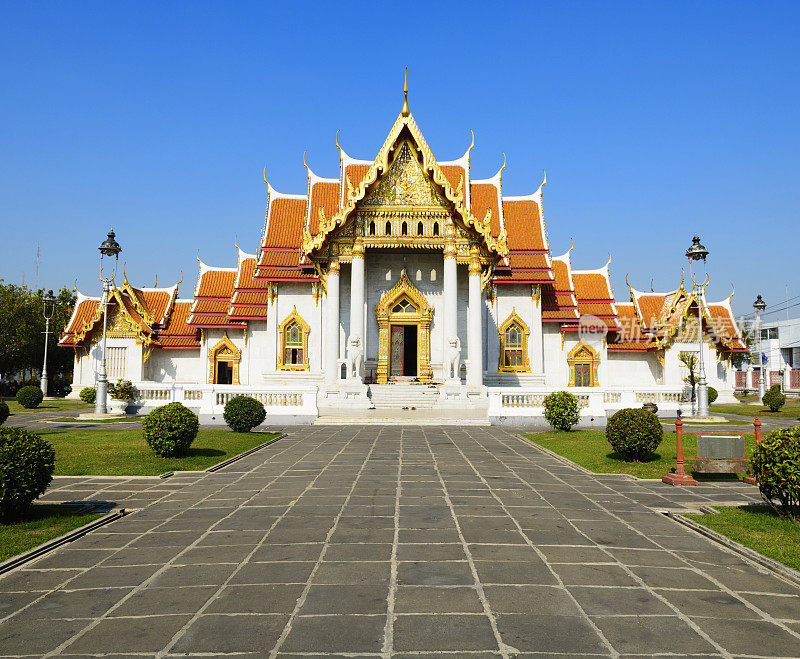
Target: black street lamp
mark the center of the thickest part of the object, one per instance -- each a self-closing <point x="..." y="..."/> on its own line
<point x="759" y="305"/>
<point x="109" y="247"/>
<point x="697" y="252"/>
<point x="49" y="307"/>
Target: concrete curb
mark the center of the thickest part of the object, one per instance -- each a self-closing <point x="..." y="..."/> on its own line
<point x="50" y="545"/>
<point x="770" y="564"/>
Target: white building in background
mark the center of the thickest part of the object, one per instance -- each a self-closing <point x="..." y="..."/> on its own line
<point x="780" y="345"/>
<point x="404" y="282"/>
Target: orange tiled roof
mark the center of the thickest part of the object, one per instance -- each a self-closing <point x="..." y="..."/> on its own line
<point x="559" y="303"/>
<point x="455" y="176"/>
<point x="483" y="198"/>
<point x="286" y="218"/>
<point x="325" y="196"/>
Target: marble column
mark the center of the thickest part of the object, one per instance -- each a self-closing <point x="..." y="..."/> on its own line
<point x="332" y="324"/>
<point x="357" y="297"/>
<point x="474" y="322"/>
<point x="450" y="296"/>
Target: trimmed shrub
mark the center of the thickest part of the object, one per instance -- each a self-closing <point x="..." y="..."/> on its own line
<point x="243" y="413"/>
<point x="774" y="399"/>
<point x="775" y="464"/>
<point x="4" y="412"/>
<point x="26" y="468"/>
<point x="122" y="390"/>
<point x="170" y="430"/>
<point x="713" y="394"/>
<point x="634" y="434"/>
<point x="88" y="394"/>
<point x="30" y="397"/>
<point x="561" y="410"/>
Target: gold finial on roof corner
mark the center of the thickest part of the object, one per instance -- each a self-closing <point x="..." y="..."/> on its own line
<point x="265" y="175"/>
<point x="198" y="256"/>
<point x="733" y="290"/>
<point x="503" y="167"/>
<point x="236" y="242"/>
<point x="75" y="288"/>
<point x="337" y="141"/>
<point x="180" y="280"/>
<point x="156" y="284"/>
<point x="405" y="111"/>
<point x="471" y="146"/>
<point x="308" y="171"/>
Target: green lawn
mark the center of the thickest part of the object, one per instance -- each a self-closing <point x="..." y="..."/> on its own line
<point x="590" y="449"/>
<point x="114" y="452"/>
<point x="43" y="522"/>
<point x="60" y="405"/>
<point x="759" y="528"/>
<point x="788" y="411"/>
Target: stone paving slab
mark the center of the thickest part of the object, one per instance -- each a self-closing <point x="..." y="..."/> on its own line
<point x="396" y="542"/>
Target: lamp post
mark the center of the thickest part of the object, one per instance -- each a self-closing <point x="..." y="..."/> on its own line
<point x="109" y="247"/>
<point x="759" y="305"/>
<point x="49" y="307"/>
<point x="696" y="253"/>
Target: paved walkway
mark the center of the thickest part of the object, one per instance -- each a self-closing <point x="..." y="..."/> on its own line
<point x="397" y="541"/>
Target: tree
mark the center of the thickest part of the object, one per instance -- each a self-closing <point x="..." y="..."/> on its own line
<point x="22" y="331"/>
<point x="689" y="360"/>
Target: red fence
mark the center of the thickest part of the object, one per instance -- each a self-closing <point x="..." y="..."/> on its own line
<point x="774" y="378"/>
<point x="741" y="379"/>
<point x="756" y="377"/>
<point x="794" y="379"/>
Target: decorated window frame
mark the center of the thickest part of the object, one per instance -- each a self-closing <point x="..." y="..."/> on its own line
<point x="585" y="358"/>
<point x="294" y="333"/>
<point x="514" y="333"/>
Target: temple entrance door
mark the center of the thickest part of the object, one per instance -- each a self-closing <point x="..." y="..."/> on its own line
<point x="224" y="373"/>
<point x="403" y="350"/>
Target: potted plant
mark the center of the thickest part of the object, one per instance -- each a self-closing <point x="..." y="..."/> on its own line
<point x="120" y="395"/>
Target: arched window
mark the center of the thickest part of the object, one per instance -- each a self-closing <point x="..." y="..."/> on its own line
<point x="223" y="362"/>
<point x="435" y="228"/>
<point x="388" y="228"/>
<point x="404" y="306"/>
<point x="420" y="229"/>
<point x="583" y="361"/>
<point x="372" y="228"/>
<point x="294" y="343"/>
<point x="514" y="345"/>
<point x="404" y="229"/>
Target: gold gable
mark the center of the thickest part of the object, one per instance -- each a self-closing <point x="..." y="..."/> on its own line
<point x="405" y="185"/>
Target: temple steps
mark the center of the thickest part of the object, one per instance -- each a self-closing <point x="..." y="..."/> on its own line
<point x="401" y="396"/>
<point x="399" y="417"/>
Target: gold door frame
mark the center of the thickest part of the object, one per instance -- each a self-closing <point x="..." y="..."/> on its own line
<point x="422" y="319"/>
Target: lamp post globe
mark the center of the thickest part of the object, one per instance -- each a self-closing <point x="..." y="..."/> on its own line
<point x="48" y="308"/>
<point x="109" y="247"/>
<point x="759" y="305"/>
<point x="698" y="252"/>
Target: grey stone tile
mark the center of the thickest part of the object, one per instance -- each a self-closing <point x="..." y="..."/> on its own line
<point x="492" y="552"/>
<point x="436" y="599"/>
<point x="16" y="637"/>
<point x="75" y="603"/>
<point x="358" y="552"/>
<point x="594" y="575"/>
<point x="367" y="599"/>
<point x="601" y="600"/>
<point x="666" y="577"/>
<point x="291" y="552"/>
<point x="282" y="572"/>
<point x="752" y="637"/>
<point x="117" y="635"/>
<point x="75" y="558"/>
<point x="355" y="573"/>
<point x="569" y="635"/>
<point x="114" y="577"/>
<point x="142" y="556"/>
<point x="336" y="633"/>
<point x="231" y="633"/>
<point x="434" y="573"/>
<point x="650" y="634"/>
<point x="537" y="600"/>
<point x="450" y="632"/>
<point x="560" y="554"/>
<point x="20" y="580"/>
<point x="781" y="607"/>
<point x="219" y="554"/>
<point x="515" y="572"/>
<point x="158" y="601"/>
<point x="709" y="604"/>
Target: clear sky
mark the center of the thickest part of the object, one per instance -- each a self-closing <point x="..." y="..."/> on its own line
<point x="653" y="120"/>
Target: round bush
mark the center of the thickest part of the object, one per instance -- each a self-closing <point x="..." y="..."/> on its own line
<point x="561" y="410"/>
<point x="30" y="397"/>
<point x="773" y="399"/>
<point x="774" y="465"/>
<point x="26" y="468"/>
<point x="4" y="412"/>
<point x="88" y="394"/>
<point x="713" y="394"/>
<point x="634" y="434"/>
<point x="170" y="429"/>
<point x="243" y="413"/>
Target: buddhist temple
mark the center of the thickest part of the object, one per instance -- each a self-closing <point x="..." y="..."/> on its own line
<point x="403" y="282"/>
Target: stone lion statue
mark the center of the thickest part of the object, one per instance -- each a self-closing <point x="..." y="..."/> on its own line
<point x="355" y="357"/>
<point x="452" y="358"/>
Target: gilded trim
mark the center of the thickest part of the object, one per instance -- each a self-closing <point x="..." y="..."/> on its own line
<point x="224" y="351"/>
<point x="292" y="318"/>
<point x="514" y="319"/>
<point x="583" y="354"/>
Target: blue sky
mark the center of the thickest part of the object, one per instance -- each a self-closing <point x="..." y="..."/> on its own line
<point x="653" y="120"/>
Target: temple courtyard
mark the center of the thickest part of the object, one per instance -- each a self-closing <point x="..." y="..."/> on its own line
<point x="396" y="541"/>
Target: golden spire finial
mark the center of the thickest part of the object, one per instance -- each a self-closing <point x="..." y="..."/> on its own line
<point x="265" y="175"/>
<point x="503" y="167"/>
<point x="405" y="111"/>
<point x="198" y="256"/>
<point x="236" y="242"/>
<point x="337" y="141"/>
<point x="181" y="279"/>
<point x="308" y="171"/>
<point x="156" y="284"/>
